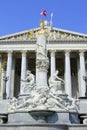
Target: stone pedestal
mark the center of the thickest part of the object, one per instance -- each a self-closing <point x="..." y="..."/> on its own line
<point x="40" y="120"/>
<point x="43" y="116"/>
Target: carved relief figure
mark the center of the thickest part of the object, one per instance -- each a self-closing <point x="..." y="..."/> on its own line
<point x="41" y="52"/>
<point x="12" y="104"/>
<point x="41" y="47"/>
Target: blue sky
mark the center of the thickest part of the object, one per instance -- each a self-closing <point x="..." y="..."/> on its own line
<point x="20" y="15"/>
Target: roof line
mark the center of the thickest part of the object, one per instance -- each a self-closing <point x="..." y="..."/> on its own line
<point x="57" y="29"/>
<point x="66" y="31"/>
<point x="18" y="33"/>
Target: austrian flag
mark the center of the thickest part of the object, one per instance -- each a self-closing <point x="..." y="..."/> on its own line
<point x="43" y="12"/>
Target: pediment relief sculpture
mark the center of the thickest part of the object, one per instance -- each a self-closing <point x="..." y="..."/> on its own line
<point x="54" y="34"/>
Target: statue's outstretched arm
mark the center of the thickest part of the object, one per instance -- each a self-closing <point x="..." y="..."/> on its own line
<point x="60" y="79"/>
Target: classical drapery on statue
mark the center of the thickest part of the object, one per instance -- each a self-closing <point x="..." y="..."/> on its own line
<point x="27" y="84"/>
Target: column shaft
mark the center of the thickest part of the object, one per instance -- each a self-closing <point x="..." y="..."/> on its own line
<point x="9" y="75"/>
<point x="82" y="73"/>
<point x="3" y="74"/>
<point x="68" y="88"/>
<point x="78" y="75"/>
<point x="23" y="65"/>
<point x="53" y="62"/>
<point x="0" y="75"/>
<point x="13" y="78"/>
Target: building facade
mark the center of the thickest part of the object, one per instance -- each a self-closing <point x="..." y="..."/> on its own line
<point x="67" y="52"/>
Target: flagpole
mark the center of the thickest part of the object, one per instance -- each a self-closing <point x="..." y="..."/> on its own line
<point x="51" y="20"/>
<point x="50" y="26"/>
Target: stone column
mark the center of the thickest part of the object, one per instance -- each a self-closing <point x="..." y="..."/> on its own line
<point x="82" y="73"/>
<point x="23" y="68"/>
<point x="53" y="62"/>
<point x="78" y="76"/>
<point x="42" y="62"/>
<point x="68" y="88"/>
<point x="9" y="75"/>
<point x="0" y="75"/>
<point x="3" y="74"/>
<point x="23" y="65"/>
<point x="13" y="79"/>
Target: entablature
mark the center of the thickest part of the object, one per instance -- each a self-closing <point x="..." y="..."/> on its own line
<point x="52" y="45"/>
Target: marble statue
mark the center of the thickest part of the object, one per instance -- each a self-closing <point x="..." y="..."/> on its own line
<point x="12" y="104"/>
<point x="72" y="104"/>
<point x="42" y="98"/>
<point x="41" y="51"/>
<point x="55" y="83"/>
<point x="26" y="104"/>
<point x="55" y="102"/>
<point x="28" y="83"/>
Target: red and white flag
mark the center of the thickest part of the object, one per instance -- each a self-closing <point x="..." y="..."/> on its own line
<point x="43" y="13"/>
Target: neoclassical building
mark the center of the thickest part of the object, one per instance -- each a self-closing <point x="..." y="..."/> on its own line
<point x="67" y="52"/>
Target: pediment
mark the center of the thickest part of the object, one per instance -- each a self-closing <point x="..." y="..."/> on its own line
<point x="54" y="35"/>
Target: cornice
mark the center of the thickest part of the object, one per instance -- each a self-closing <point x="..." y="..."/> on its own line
<point x="34" y="41"/>
<point x="17" y="42"/>
<point x="72" y="32"/>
